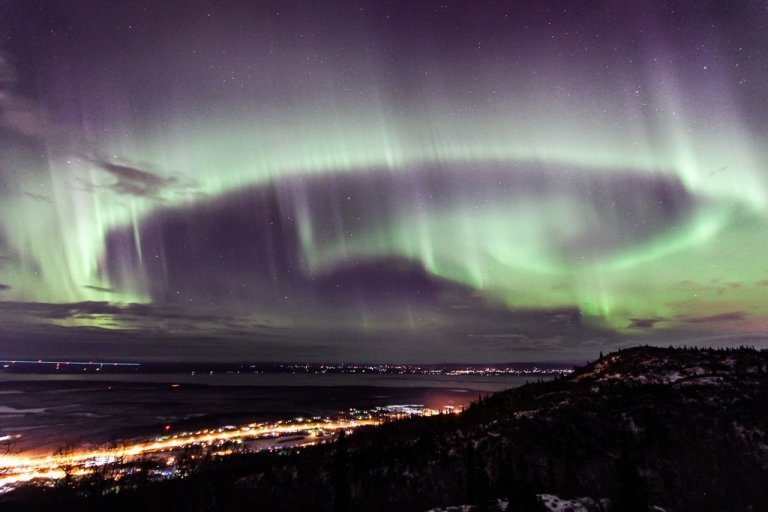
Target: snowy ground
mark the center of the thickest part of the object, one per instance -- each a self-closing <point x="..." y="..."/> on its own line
<point x="550" y="501"/>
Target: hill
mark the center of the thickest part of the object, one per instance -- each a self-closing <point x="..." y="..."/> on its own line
<point x="678" y="429"/>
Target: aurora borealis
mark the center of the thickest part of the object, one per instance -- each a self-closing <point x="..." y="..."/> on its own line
<point x="381" y="180"/>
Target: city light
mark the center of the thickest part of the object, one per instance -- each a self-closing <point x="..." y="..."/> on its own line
<point x="16" y="469"/>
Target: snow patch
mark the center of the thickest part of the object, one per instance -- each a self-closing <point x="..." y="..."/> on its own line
<point x="556" y="504"/>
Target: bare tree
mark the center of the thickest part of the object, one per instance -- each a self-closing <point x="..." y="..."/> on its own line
<point x="66" y="462"/>
<point x="9" y="445"/>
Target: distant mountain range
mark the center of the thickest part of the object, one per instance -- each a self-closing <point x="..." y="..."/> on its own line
<point x="638" y="430"/>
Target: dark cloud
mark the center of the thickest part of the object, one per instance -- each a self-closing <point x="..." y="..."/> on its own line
<point x="38" y="197"/>
<point x="104" y="329"/>
<point x="132" y="181"/>
<point x="649" y="323"/>
<point x="479" y="332"/>
<point x="99" y="288"/>
<point x="644" y="323"/>
<point x="4" y="287"/>
<point x="67" y="310"/>
<point x="94" y="309"/>
<point x="762" y="283"/>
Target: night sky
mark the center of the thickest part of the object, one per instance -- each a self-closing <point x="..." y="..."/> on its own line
<point x="381" y="181"/>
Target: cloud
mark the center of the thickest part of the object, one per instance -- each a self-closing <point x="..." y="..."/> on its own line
<point x="132" y="181"/>
<point x="38" y="197"/>
<point x="4" y="287"/>
<point x="99" y="288"/>
<point x="762" y="283"/>
<point x="649" y="323"/>
<point x="52" y="311"/>
<point x="26" y="117"/>
<point x="97" y="327"/>
<point x="66" y="326"/>
<point x="644" y="323"/>
<point x="132" y="313"/>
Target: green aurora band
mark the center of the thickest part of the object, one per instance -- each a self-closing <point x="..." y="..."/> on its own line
<point x="61" y="204"/>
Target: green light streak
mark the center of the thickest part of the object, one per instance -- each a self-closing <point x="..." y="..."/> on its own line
<point x="505" y="252"/>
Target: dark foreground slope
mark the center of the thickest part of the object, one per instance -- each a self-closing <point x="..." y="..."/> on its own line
<point x="681" y="429"/>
